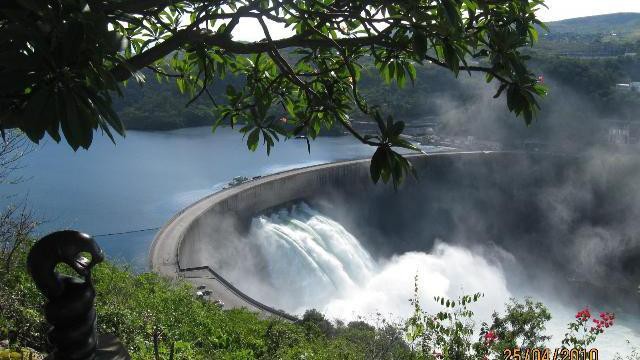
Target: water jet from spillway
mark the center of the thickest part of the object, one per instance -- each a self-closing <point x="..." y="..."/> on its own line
<point x="312" y="261"/>
<point x="321" y="265"/>
<point x="525" y="216"/>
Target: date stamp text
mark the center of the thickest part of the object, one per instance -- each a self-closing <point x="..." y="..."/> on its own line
<point x="550" y="354"/>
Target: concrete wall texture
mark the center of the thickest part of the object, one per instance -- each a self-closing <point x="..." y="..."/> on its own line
<point x="489" y="196"/>
<point x="177" y="249"/>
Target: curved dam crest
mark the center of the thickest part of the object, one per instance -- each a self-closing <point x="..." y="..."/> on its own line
<point x="509" y="199"/>
<point x="176" y="249"/>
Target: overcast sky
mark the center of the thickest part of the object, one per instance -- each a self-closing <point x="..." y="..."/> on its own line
<point x="250" y="30"/>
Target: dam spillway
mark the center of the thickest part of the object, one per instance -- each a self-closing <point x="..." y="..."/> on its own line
<point x="523" y="203"/>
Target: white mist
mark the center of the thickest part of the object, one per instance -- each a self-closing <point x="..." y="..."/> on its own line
<point x="314" y="262"/>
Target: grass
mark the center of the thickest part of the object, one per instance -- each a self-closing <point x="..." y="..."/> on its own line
<point x="161" y="319"/>
<point x="156" y="318"/>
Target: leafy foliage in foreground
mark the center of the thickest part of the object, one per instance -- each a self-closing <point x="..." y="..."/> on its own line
<point x="61" y="60"/>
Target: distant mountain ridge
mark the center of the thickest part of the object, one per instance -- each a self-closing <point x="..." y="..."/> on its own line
<point x="585" y="59"/>
<point x="620" y="23"/>
<point x="598" y="36"/>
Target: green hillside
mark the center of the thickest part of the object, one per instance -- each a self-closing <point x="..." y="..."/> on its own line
<point x="593" y="36"/>
<point x="582" y="66"/>
<point x="621" y="23"/>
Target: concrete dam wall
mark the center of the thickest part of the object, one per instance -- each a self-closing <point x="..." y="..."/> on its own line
<point x="177" y="248"/>
<point x="506" y="198"/>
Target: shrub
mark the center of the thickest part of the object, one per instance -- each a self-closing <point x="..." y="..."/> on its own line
<point x="161" y="319"/>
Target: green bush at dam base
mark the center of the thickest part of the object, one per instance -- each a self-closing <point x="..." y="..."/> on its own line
<point x="160" y="319"/>
<point x="153" y="316"/>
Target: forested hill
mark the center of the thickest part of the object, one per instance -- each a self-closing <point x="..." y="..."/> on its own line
<point x="594" y="36"/>
<point x="583" y="95"/>
<point x="160" y="106"/>
<point x="620" y="23"/>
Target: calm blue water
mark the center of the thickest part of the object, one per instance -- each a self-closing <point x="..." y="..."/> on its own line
<point x="147" y="177"/>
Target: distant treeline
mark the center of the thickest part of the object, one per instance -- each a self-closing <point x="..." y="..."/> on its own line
<point x="460" y="106"/>
<point x="582" y="83"/>
<point x="160" y="106"/>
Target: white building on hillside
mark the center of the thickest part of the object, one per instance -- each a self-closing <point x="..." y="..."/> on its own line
<point x="619" y="135"/>
<point x="634" y="86"/>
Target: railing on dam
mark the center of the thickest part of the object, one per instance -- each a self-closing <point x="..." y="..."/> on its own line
<point x="189" y="241"/>
<point x="179" y="245"/>
<point x="242" y="295"/>
<point x="176" y="249"/>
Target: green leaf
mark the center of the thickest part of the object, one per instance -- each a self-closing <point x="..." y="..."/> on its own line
<point x="400" y="77"/>
<point x="268" y="141"/>
<point x="109" y="115"/>
<point x="385" y="71"/>
<point x="451" y="58"/>
<point x="412" y="72"/>
<point x="396" y="129"/>
<point x="39" y="105"/>
<point x="502" y="87"/>
<point x="406" y="144"/>
<point x="451" y="11"/>
<point x="381" y="125"/>
<point x="376" y="165"/>
<point x="420" y="44"/>
<point x="533" y="34"/>
<point x="70" y="121"/>
<point x="181" y="85"/>
<point x="252" y="141"/>
<point x="471" y="5"/>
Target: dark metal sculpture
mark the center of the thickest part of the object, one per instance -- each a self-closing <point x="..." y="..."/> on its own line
<point x="70" y="300"/>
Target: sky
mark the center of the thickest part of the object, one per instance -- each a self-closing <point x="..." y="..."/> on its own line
<point x="566" y="9"/>
<point x="250" y="30"/>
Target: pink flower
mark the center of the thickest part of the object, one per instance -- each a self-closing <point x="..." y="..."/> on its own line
<point x="605" y="321"/>
<point x="490" y="337"/>
<point x="583" y="314"/>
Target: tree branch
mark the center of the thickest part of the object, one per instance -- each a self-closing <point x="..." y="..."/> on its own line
<point x="122" y="72"/>
<point x="160" y="72"/>
<point x="182" y="37"/>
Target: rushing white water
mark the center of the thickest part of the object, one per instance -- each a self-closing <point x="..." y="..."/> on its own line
<point x="311" y="256"/>
<point x="312" y="261"/>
